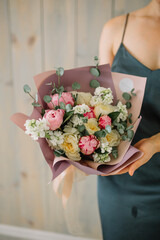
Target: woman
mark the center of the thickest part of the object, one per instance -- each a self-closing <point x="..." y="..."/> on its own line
<point x="129" y="203"/>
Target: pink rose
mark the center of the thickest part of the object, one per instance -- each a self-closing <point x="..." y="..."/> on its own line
<point x="88" y="144"/>
<point x="66" y="98"/>
<point x="90" y="114"/>
<point x="104" y="121"/>
<point x="54" y="117"/>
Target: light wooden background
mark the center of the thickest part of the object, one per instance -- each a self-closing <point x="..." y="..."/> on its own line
<point x="39" y="35"/>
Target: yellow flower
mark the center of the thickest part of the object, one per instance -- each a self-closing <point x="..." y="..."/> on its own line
<point x="83" y="97"/>
<point x="113" y="138"/>
<point x="70" y="147"/>
<point x="92" y="126"/>
<point x="104" y="109"/>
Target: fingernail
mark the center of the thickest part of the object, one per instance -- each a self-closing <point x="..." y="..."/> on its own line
<point x="131" y="173"/>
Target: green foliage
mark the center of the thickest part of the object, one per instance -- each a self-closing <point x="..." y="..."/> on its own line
<point x="60" y="71"/>
<point x="100" y="133"/>
<point x="26" y="88"/>
<point x="95" y="71"/>
<point x="113" y="115"/>
<point x="47" y="98"/>
<point x="76" y="86"/>
<point x="108" y="129"/>
<point x="128" y="105"/>
<point x="126" y="96"/>
<point x="35" y="104"/>
<point x="115" y="152"/>
<point x="58" y="153"/>
<point x="94" y="83"/>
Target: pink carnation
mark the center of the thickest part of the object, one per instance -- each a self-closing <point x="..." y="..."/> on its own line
<point x="66" y="98"/>
<point x="88" y="144"/>
<point x="54" y="117"/>
<point x="90" y="114"/>
<point x="104" y="121"/>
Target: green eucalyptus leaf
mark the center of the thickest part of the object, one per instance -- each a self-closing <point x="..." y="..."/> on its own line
<point x="126" y="96"/>
<point x="36" y="104"/>
<point x="124" y="138"/>
<point x="61" y="89"/>
<point x="129" y="127"/>
<point x="130" y="133"/>
<point x="81" y="128"/>
<point x="115" y="152"/>
<point x="128" y="105"/>
<point x="68" y="107"/>
<point x="58" y="153"/>
<point x="47" y="98"/>
<point x="95" y="58"/>
<point x="60" y="71"/>
<point x="76" y="86"/>
<point x="108" y="128"/>
<point x="62" y="105"/>
<point x="95" y="71"/>
<point x="26" y="88"/>
<point x="130" y="120"/>
<point x="94" y="83"/>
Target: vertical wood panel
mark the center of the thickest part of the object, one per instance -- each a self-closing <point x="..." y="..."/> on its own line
<point x="92" y="15"/>
<point x="26" y="61"/>
<point x="59" y="33"/>
<point x="8" y="191"/>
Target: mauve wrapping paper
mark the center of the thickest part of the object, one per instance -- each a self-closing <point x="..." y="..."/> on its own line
<point x="128" y="153"/>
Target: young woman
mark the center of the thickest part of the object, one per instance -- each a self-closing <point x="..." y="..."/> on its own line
<point x="129" y="203"/>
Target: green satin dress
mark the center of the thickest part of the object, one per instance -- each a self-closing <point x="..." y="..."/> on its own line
<point x="129" y="207"/>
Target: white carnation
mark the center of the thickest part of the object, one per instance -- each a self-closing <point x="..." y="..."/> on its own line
<point x="36" y="128"/>
<point x="123" y="111"/>
<point x="101" y="157"/>
<point x="102" y="95"/>
<point x="104" y="145"/>
<point x="81" y="109"/>
<point x="76" y="121"/>
<point x="57" y="139"/>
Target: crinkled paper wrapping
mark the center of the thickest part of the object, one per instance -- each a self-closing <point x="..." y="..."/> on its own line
<point x="127" y="153"/>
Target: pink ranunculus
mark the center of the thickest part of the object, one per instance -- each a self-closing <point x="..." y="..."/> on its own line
<point x="90" y="114"/>
<point x="66" y="98"/>
<point x="54" y="117"/>
<point x="104" y="121"/>
<point x="88" y="144"/>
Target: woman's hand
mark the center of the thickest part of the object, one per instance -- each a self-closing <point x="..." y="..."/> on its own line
<point x="149" y="146"/>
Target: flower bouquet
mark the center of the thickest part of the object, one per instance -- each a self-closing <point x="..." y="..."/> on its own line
<point x="82" y="117"/>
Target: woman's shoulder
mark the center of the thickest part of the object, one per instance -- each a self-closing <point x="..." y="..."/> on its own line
<point x="114" y="24"/>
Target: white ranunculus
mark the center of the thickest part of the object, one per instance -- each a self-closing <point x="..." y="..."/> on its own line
<point x="92" y="126"/>
<point x="104" y="109"/>
<point x="70" y="146"/>
<point x="83" y="97"/>
<point x="113" y="138"/>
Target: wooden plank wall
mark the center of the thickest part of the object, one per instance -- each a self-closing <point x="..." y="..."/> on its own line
<point x="36" y="36"/>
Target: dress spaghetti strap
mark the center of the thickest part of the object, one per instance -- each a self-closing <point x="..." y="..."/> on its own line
<point x="125" y="27"/>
